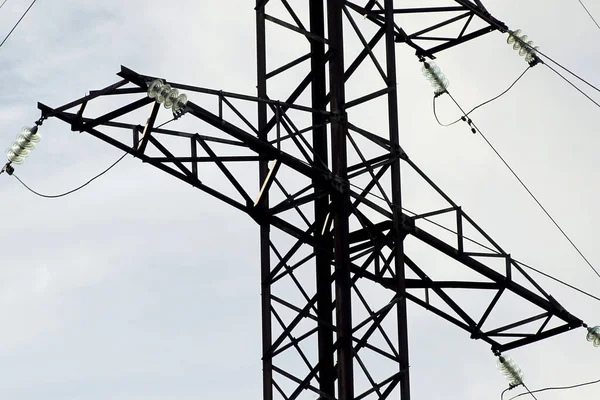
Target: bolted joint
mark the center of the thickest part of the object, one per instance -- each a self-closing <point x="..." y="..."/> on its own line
<point x="259" y="215"/>
<point x="404" y="369"/>
<point x="41" y="120"/>
<point x="556" y="304"/>
<point x="340" y="117"/>
<point x="9" y="169"/>
<point x="407" y="224"/>
<point x="401" y="37"/>
<point x="339" y="185"/>
<point x="476" y="335"/>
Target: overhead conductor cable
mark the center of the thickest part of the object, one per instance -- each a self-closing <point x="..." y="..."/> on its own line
<point x="530" y="53"/>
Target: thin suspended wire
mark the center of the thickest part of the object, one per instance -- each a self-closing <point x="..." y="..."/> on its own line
<point x="18" y="22"/>
<point x="480" y="244"/>
<point x="529" y="191"/>
<point x="55" y="196"/>
<point x="504" y="391"/>
<point x="538" y="52"/>
<point x="569" y="71"/>
<point x="167" y="122"/>
<point x="355" y="186"/>
<point x="438" y="120"/>
<point x="515" y="260"/>
<point x="529" y="391"/>
<point x="557" y="388"/>
<point x="572" y="84"/>
<point x="568" y="285"/>
<point x="482" y="104"/>
<point x="501" y="94"/>
<point x="494" y="250"/>
<point x="589" y="13"/>
<point x="3" y="3"/>
<point x="557" y="280"/>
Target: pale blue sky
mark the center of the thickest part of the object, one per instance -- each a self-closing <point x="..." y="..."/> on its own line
<point x="129" y="289"/>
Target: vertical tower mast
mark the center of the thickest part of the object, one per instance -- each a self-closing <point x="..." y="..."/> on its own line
<point x="333" y="266"/>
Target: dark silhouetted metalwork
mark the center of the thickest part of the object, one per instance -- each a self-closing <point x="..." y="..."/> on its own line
<point x="336" y="273"/>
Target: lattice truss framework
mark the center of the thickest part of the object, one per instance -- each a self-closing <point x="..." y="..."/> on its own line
<point x="218" y="141"/>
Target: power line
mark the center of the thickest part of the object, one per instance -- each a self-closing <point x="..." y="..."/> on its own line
<point x="557" y="280"/>
<point x="557" y="388"/>
<point x="438" y="120"/>
<point x="527" y="189"/>
<point x="18" y="22"/>
<point x="568" y="285"/>
<point x="4" y="2"/>
<point x="528" y="391"/>
<point x="482" y="104"/>
<point x="355" y="186"/>
<point x="537" y="51"/>
<point x="570" y="72"/>
<point x="572" y="84"/>
<point x="55" y="196"/>
<point x="515" y="260"/>
<point x="589" y="13"/>
<point x="167" y="122"/>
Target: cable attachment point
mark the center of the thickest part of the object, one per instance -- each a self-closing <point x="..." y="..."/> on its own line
<point x="535" y="60"/>
<point x="435" y="76"/>
<point x="40" y="121"/>
<point x="593" y="336"/>
<point x="8" y="169"/>
<point x="511" y="371"/>
<point x="524" y="47"/>
<point x="468" y="120"/>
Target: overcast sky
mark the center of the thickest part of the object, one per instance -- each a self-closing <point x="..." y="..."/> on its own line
<point x="141" y="287"/>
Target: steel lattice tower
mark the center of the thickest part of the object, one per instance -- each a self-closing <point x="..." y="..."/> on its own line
<point x="329" y="199"/>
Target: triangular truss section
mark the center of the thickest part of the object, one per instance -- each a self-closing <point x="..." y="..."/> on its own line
<point x="438" y="25"/>
<point x="350" y="227"/>
<point x="211" y="144"/>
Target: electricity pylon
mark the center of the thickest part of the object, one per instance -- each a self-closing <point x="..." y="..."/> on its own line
<point x="335" y="273"/>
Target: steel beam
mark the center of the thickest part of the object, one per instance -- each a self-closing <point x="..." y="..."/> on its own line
<point x="366" y="245"/>
<point x="340" y="201"/>
<point x="327" y="372"/>
<point x="397" y="231"/>
<point x="265" y="228"/>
